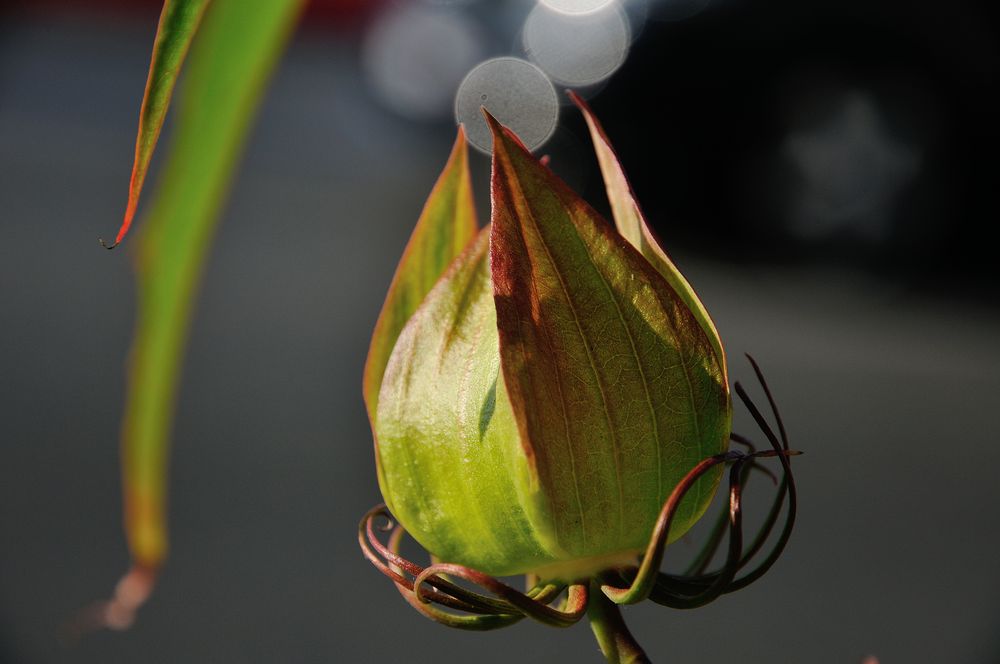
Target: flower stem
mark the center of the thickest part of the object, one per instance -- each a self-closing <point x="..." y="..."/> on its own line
<point x="617" y="643"/>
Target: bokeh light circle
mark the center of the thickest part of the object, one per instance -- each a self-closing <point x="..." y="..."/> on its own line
<point x="576" y="6"/>
<point x="577" y="50"/>
<point x="516" y="92"/>
<point x="414" y="57"/>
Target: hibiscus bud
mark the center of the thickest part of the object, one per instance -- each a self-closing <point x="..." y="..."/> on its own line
<point x="539" y="387"/>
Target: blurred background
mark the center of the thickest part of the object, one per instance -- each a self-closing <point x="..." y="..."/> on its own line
<point x="824" y="172"/>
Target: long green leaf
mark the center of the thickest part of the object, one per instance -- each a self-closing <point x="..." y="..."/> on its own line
<point x="178" y="23"/>
<point x="230" y="62"/>
<point x="445" y="228"/>
<point x="632" y="225"/>
<point x="615" y="386"/>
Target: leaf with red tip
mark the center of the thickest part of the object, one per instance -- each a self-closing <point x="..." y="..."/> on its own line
<point x="615" y="386"/>
<point x="230" y="64"/>
<point x="179" y="21"/>
<point x="632" y="225"/>
<point x="446" y="226"/>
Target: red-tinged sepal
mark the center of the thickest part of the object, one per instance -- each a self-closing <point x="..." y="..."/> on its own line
<point x="445" y="227"/>
<point x="631" y="223"/>
<point x="615" y="385"/>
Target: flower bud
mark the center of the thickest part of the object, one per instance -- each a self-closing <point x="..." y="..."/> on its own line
<point x="536" y="396"/>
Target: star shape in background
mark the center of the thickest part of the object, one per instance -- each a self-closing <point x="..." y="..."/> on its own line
<point x="851" y="171"/>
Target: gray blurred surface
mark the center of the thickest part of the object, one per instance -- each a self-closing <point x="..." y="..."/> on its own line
<point x="893" y="399"/>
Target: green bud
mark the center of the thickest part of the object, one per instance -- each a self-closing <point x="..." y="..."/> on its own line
<point x="536" y="397"/>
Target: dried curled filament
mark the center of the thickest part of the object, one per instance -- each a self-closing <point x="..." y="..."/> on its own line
<point x="430" y="591"/>
<point x="434" y="592"/>
<point x="697" y="588"/>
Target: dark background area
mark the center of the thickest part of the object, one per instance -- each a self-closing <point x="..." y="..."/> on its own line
<point x="820" y="170"/>
<point x="740" y="81"/>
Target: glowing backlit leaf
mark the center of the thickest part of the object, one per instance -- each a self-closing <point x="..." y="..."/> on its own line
<point x="445" y="227"/>
<point x="179" y="21"/>
<point x="615" y="385"/>
<point x="632" y="225"/>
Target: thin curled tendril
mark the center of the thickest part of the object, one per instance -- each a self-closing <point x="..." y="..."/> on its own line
<point x="428" y="589"/>
<point x="433" y="592"/>
<point x="694" y="590"/>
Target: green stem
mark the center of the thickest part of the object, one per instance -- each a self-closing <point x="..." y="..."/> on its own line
<point x="617" y="643"/>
